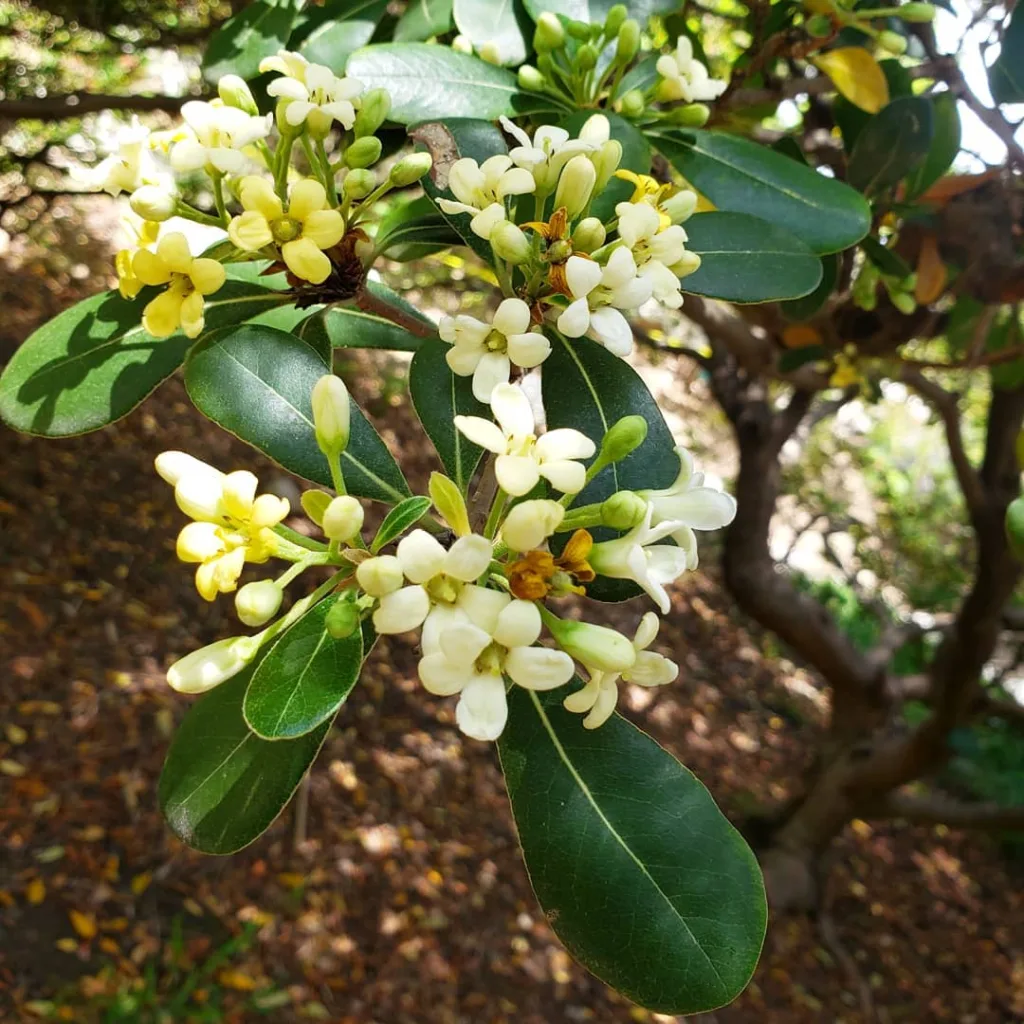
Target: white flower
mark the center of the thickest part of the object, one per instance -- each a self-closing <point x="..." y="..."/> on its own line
<point x="216" y="137"/>
<point x="523" y="458"/>
<point x="436" y="577"/>
<point x="656" y="248"/>
<point x="530" y="523"/>
<point x="637" y="556"/>
<point x="487" y="351"/>
<point x="691" y="506"/>
<point x="601" y="693"/>
<point x="471" y="646"/>
<point x="129" y="167"/>
<point x="598" y="294"/>
<point x="480" y="189"/>
<point x="312" y="93"/>
<point x="546" y="154"/>
<point x="685" y="78"/>
<point x="210" y="666"/>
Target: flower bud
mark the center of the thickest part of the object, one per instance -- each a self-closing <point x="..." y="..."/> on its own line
<point x="342" y="619"/>
<point x="614" y="20"/>
<point x="531" y="79"/>
<point x="343" y="518"/>
<point x="510" y="243"/>
<point x="628" y="44"/>
<point x="410" y="169"/>
<point x="596" y="128"/>
<point x="903" y="301"/>
<point x="892" y="42"/>
<point x="549" y="34"/>
<point x="151" y="202"/>
<point x="235" y="93"/>
<point x="380" y="576"/>
<point x="545" y="64"/>
<point x="632" y="104"/>
<point x="331" y="414"/>
<point x="623" y="437"/>
<point x="693" y="115"/>
<point x="586" y="58"/>
<point x="314" y="504"/>
<point x="688" y="263"/>
<point x="210" y="666"/>
<point x="597" y="647"/>
<point x="363" y="152"/>
<point x="530" y="523"/>
<point x="579" y="30"/>
<point x="623" y="510"/>
<point x="606" y="162"/>
<point x="576" y="185"/>
<point x="918" y="12"/>
<point x="819" y="26"/>
<point x="680" y="206"/>
<point x="359" y="184"/>
<point x="463" y="44"/>
<point x="373" y="111"/>
<point x="286" y="130"/>
<point x="490" y="52"/>
<point x="1015" y="526"/>
<point x="589" y="235"/>
<point x="257" y="603"/>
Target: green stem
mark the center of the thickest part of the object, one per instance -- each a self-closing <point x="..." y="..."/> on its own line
<point x="191" y="213"/>
<point x="329" y="183"/>
<point x="283" y="155"/>
<point x="494" y="516"/>
<point x="315" y="167"/>
<point x="218" y="199"/>
<point x="364" y="207"/>
<point x="300" y="607"/>
<point x="337" y="478"/>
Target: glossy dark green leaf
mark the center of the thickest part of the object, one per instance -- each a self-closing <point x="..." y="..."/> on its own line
<point x="435" y="82"/>
<point x="414" y="229"/>
<point x="944" y="146"/>
<point x="332" y="42"/>
<point x="588" y="388"/>
<point x="638" y="872"/>
<point x="641" y="75"/>
<point x="595" y="11"/>
<point x="423" y="19"/>
<point x="94" y="363"/>
<point x="257" y="31"/>
<point x="1006" y="75"/>
<point x="350" y="327"/>
<point x="806" y="306"/>
<point x="496" y="22"/>
<point x="746" y="259"/>
<point x="400" y="519"/>
<point x="887" y="261"/>
<point x="891" y="144"/>
<point x="438" y="396"/>
<point x="305" y="678"/>
<point x="222" y="786"/>
<point x="794" y="358"/>
<point x="315" y="16"/>
<point x="739" y="176"/>
<point x="257" y="383"/>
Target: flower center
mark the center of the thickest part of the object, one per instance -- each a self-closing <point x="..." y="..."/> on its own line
<point x="285" y="229"/>
<point x="443" y="589"/>
<point x="522" y="445"/>
<point x="496" y="342"/>
<point x="491" y="659"/>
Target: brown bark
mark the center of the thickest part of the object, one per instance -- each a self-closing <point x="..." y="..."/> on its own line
<point x="56" y="107"/>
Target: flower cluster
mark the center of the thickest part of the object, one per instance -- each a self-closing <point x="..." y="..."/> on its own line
<point x="308" y="221"/>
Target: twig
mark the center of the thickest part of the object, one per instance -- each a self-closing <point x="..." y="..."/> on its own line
<point x="368" y="302"/>
<point x="935" y="809"/>
<point x="57" y="107"/>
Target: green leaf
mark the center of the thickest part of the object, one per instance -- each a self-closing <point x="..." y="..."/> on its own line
<point x="332" y="42"/>
<point x="641" y="75"/>
<point x="1006" y="75"/>
<point x="350" y="327"/>
<point x="595" y="11"/>
<point x="434" y="81"/>
<point x="887" y="261"/>
<point x="639" y="874"/>
<point x="257" y="31"/>
<point x="94" y="363"/>
<point x="891" y="144"/>
<point x="492" y="21"/>
<point x="943" y="149"/>
<point x="222" y="786"/>
<point x="399" y="519"/>
<point x="257" y="383"/>
<point x="305" y="678"/>
<point x="794" y="358"/>
<point x="587" y="387"/>
<point x="423" y="19"/>
<point x="636" y="156"/>
<point x="806" y="306"/>
<point x="414" y="229"/>
<point x="746" y="259"/>
<point x="740" y="176"/>
<point x="438" y="396"/>
<point x="315" y="16"/>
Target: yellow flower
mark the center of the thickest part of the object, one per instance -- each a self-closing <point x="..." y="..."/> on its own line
<point x="303" y="233"/>
<point x="145" y="235"/>
<point x="845" y="374"/>
<point x="188" y="278"/>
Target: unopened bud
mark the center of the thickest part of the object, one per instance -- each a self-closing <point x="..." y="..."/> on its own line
<point x="490" y="52"/>
<point x="606" y="162"/>
<point x="597" y="129"/>
<point x="210" y="666"/>
<point x="624" y="436"/>
<point x="380" y="576"/>
<point x="918" y="12"/>
<point x="819" y="26"/>
<point x="331" y="414"/>
<point x="623" y="510"/>
<point x="688" y="263"/>
<point x="342" y="620"/>
<point x="586" y="58"/>
<point x="628" y="44"/>
<point x="373" y="111"/>
<point x="693" y="115"/>
<point x="903" y="301"/>
<point x="613" y="22"/>
<point x="597" y="647"/>
<point x="343" y="518"/>
<point x="680" y="206"/>
<point x="285" y="129"/>
<point x="359" y="184"/>
<point x="632" y="104"/>
<point x="576" y="185"/>
<point x="579" y="30"/>
<point x="549" y="34"/>
<point x="235" y="93"/>
<point x="410" y="169"/>
<point x="314" y="504"/>
<point x="530" y="523"/>
<point x="510" y="243"/>
<point x="151" y="202"/>
<point x="589" y="235"/>
<point x="1015" y="526"/>
<point x="462" y="44"/>
<point x="892" y="42"/>
<point x="257" y="603"/>
<point x="363" y="152"/>
<point x="531" y="79"/>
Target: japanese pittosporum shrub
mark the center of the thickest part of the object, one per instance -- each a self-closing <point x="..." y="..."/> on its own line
<point x="580" y="487"/>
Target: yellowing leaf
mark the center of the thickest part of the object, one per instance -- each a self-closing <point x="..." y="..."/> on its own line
<point x="84" y="924"/>
<point x="800" y="336"/>
<point x="857" y="76"/>
<point x="931" y="272"/>
<point x="238" y="981"/>
<point x="140" y="883"/>
<point x="35" y="891"/>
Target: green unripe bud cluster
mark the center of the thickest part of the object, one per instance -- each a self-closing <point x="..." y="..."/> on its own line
<point x="364" y="152"/>
<point x="693" y="115"/>
<point x="892" y="42"/>
<point x="633" y="104"/>
<point x="531" y="79"/>
<point x="614" y="20"/>
<point x="410" y="169"/>
<point x="549" y="34"/>
<point x="373" y="112"/>
<point x="359" y="184"/>
<point x="623" y="510"/>
<point x="819" y="26"/>
<point x="342" y="620"/>
<point x="917" y="12"/>
<point x="586" y="58"/>
<point x="628" y="44"/>
<point x="623" y="437"/>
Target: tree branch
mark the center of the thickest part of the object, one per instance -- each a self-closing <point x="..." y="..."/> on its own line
<point x="935" y="809"/>
<point x="57" y="107"/>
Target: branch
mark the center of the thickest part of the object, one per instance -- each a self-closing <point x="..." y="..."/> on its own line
<point x="935" y="809"/>
<point x="370" y="303"/>
<point x="57" y="107"/>
<point x="1009" y="710"/>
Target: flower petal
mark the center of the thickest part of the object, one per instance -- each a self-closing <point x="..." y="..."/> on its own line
<point x="565" y="476"/>
<point x="305" y="260"/>
<point x="462" y="644"/>
<point x="482" y="432"/>
<point x="539" y="668"/>
<point x="483" y="606"/>
<point x="421" y="556"/>
<point x="517" y="474"/>
<point x="468" y="557"/>
<point x="482" y="709"/>
<point x="582" y="275"/>
<point x="611" y="329"/>
<point x="574" y="320"/>
<point x="442" y="677"/>
<point x="401" y="611"/>
<point x="324" y="227"/>
<point x="565" y="443"/>
<point x="491" y="370"/>
<point x="518" y="624"/>
<point x="511" y="317"/>
<point x="306" y="197"/>
<point x="528" y="350"/>
<point x="512" y="410"/>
